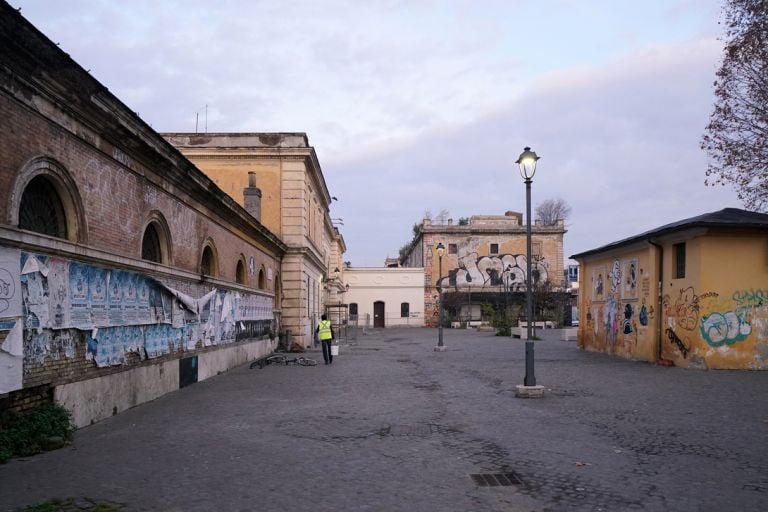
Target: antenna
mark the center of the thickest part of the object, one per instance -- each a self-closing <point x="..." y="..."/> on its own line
<point x="197" y="119"/>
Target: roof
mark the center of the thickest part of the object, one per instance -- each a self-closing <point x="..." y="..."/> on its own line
<point x="723" y="219"/>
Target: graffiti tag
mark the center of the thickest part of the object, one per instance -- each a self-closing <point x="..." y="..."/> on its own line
<point x="676" y="341"/>
<point x="751" y="297"/>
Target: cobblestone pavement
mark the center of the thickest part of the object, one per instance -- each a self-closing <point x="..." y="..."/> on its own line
<point x="393" y="425"/>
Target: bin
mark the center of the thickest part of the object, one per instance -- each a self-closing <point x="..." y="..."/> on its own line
<point x="334" y="349"/>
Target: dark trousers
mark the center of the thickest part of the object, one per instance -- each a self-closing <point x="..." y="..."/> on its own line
<point x="327" y="357"/>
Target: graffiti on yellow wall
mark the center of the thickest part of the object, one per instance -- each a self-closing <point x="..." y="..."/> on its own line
<point x="725" y="328"/>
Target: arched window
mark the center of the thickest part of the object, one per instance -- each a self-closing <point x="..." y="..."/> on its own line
<point x="262" y="280"/>
<point x="405" y="310"/>
<point x="208" y="264"/>
<point x="150" y="245"/>
<point x="240" y="272"/>
<point x="41" y="209"/>
<point x="44" y="199"/>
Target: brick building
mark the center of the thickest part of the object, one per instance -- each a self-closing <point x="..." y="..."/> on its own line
<point x="125" y="272"/>
<point x="485" y="262"/>
<point x="295" y="205"/>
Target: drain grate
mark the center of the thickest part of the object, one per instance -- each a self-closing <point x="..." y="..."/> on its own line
<point x="496" y="479"/>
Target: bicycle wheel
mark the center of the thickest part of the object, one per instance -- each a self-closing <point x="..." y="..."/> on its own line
<point x="276" y="360"/>
<point x="305" y="361"/>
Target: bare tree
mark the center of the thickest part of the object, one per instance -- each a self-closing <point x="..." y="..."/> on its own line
<point x="736" y="138"/>
<point x="550" y="211"/>
<point x="442" y="217"/>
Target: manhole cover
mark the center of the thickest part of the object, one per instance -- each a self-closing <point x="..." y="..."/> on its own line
<point x="496" y="479"/>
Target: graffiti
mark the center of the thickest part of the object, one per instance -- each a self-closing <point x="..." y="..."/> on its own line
<point x="615" y="276"/>
<point x="630" y="280"/>
<point x="676" y="341"/>
<point x="610" y="320"/>
<point x="727" y="328"/>
<point x="508" y="271"/>
<point x="643" y="314"/>
<point x="627" y="327"/>
<point x="749" y="298"/>
<point x="7" y="290"/>
<point x="686" y="307"/>
<point x="599" y="285"/>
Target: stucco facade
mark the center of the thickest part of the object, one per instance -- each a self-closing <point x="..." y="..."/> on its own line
<point x="386" y="297"/>
<point x="693" y="293"/>
<point x="295" y="205"/>
<point x="485" y="258"/>
<point x="124" y="270"/>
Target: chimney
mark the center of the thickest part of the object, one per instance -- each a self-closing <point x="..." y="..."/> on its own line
<point x="252" y="197"/>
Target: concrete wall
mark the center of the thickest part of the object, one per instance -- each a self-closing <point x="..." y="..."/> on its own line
<point x="93" y="400"/>
<point x="393" y="286"/>
<point x="716" y="316"/>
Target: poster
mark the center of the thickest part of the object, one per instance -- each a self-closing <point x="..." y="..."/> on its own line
<point x="97" y="296"/>
<point x="80" y="313"/>
<point x="10" y="285"/>
<point x="115" y="297"/>
<point x="58" y="300"/>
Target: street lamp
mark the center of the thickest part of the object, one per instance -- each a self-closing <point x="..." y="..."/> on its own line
<point x="527" y="162"/>
<point x="440" y="250"/>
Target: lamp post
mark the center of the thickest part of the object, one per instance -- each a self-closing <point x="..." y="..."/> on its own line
<point x="440" y="250"/>
<point x="527" y="163"/>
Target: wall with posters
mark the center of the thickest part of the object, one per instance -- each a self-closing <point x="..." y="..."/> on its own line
<point x="68" y="313"/>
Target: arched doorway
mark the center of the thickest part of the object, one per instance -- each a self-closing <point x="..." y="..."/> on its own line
<point x="378" y="314"/>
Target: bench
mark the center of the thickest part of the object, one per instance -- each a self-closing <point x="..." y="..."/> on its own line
<point x="570" y="334"/>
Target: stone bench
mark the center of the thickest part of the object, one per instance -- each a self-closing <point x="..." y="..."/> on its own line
<point x="570" y="334"/>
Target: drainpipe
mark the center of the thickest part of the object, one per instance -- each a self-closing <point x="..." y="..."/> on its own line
<point x="660" y="298"/>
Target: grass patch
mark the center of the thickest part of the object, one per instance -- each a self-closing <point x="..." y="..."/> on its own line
<point x="43" y="428"/>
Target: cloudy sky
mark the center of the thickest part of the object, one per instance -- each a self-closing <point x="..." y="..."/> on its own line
<point x="424" y="105"/>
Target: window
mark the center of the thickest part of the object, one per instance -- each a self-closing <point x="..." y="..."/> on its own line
<point x="353" y="309"/>
<point x="494" y="248"/>
<point x="150" y="245"/>
<point x="41" y="209"/>
<point x="262" y="281"/>
<point x="453" y="249"/>
<point x="240" y="272"/>
<point x="679" y="252"/>
<point x="404" y="310"/>
<point x="208" y="262"/>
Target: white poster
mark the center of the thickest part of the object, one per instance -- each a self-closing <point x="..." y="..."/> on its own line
<point x="10" y="287"/>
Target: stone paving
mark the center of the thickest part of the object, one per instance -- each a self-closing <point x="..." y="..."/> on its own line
<point x="393" y="425"/>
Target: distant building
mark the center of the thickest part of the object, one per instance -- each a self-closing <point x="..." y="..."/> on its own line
<point x="385" y="297"/>
<point x="693" y="292"/>
<point x="485" y="263"/>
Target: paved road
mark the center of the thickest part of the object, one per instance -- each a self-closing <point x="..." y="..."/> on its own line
<point x="393" y="425"/>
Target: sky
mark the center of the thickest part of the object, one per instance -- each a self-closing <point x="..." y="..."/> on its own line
<point x="418" y="106"/>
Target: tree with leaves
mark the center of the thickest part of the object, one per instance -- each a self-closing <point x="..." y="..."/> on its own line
<point x="736" y="138"/>
<point x="550" y="211"/>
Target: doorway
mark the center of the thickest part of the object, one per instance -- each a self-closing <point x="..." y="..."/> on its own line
<point x="378" y="314"/>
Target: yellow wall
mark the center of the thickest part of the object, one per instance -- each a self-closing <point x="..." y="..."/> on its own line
<point x="232" y="177"/>
<point x="617" y="304"/>
<point x="714" y="317"/>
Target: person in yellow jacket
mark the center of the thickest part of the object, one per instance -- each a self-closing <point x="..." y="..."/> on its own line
<point x="324" y="333"/>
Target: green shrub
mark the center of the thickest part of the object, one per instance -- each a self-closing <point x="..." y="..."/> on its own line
<point x="42" y="428"/>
